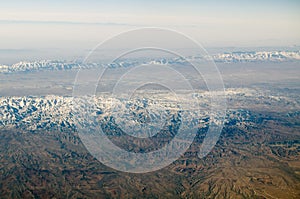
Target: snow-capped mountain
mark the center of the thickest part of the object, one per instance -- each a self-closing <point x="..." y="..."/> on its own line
<point x="41" y="65"/>
<point x="232" y="57"/>
<point x="274" y="56"/>
<point x="58" y="112"/>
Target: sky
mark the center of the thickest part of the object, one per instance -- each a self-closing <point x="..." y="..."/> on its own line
<point x="57" y="29"/>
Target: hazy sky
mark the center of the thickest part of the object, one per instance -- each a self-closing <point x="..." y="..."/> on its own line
<point x="38" y="25"/>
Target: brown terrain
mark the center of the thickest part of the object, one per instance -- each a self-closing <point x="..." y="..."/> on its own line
<point x="254" y="159"/>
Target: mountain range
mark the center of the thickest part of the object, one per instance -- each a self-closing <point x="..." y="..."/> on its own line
<point x="230" y="57"/>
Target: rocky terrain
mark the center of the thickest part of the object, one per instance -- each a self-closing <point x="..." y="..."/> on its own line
<point x="257" y="155"/>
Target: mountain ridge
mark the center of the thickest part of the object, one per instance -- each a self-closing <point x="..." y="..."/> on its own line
<point x="227" y="57"/>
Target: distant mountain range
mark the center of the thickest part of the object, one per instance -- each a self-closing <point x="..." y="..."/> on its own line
<point x="230" y="57"/>
<point x="274" y="56"/>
